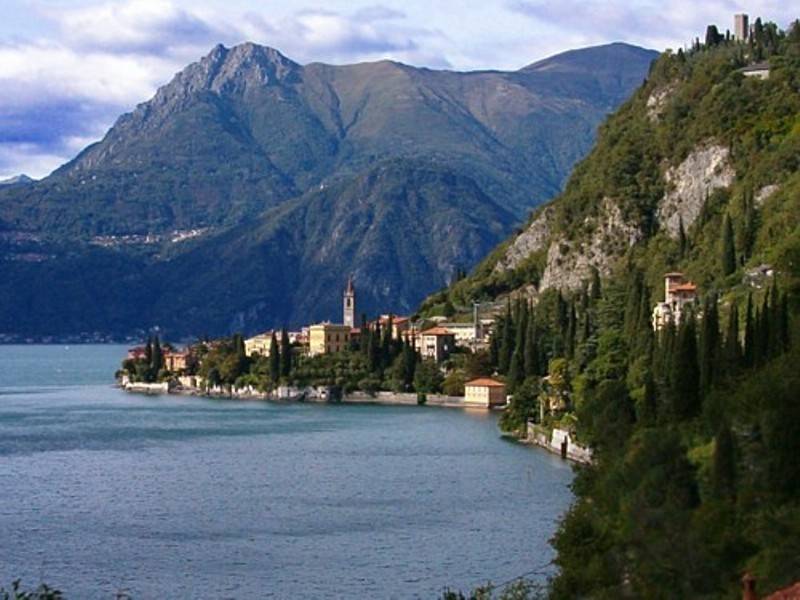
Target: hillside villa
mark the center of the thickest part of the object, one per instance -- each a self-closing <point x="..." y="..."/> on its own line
<point x="679" y="295"/>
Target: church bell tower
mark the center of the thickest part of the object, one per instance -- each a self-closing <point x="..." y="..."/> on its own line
<point x="349" y="304"/>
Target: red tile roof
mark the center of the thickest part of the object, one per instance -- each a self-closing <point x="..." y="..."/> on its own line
<point x="485" y="382"/>
<point x="790" y="593"/>
<point x="437" y="331"/>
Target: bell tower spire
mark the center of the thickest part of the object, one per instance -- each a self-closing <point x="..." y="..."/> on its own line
<point x="349" y="303"/>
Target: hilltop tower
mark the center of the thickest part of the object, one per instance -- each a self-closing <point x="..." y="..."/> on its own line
<point x="741" y="27"/>
<point x="349" y="304"/>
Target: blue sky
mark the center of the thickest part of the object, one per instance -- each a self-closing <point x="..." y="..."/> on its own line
<point x="68" y="68"/>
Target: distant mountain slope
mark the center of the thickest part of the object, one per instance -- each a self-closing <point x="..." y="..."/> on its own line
<point x="234" y="137"/>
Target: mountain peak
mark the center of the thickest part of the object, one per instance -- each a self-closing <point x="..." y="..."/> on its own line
<point x="605" y="57"/>
<point x="17" y="180"/>
<point x="237" y="68"/>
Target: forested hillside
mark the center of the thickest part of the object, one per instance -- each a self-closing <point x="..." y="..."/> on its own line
<point x="695" y="426"/>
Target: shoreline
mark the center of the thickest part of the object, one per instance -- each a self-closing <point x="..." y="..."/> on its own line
<point x="309" y="396"/>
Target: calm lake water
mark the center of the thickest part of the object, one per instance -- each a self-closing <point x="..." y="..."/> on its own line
<point x="171" y="497"/>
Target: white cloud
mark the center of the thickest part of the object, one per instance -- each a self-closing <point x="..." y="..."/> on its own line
<point x="105" y="56"/>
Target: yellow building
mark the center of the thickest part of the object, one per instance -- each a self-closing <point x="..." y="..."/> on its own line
<point x="326" y="338"/>
<point x="484" y="392"/>
<point x="259" y="344"/>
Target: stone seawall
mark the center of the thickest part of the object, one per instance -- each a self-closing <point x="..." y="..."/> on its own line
<point x="558" y="441"/>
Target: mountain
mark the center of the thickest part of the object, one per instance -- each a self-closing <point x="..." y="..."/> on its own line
<point x="17" y="180"/>
<point x="693" y="423"/>
<point x="240" y="145"/>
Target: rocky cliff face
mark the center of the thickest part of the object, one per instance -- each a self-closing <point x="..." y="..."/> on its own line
<point x="705" y="170"/>
<point x="569" y="263"/>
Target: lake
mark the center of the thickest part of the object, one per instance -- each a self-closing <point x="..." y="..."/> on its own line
<point x="175" y="497"/>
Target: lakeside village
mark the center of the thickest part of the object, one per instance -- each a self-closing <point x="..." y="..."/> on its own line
<point x="487" y="362"/>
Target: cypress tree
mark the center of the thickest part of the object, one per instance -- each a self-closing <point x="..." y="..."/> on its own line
<point x="763" y="335"/>
<point x="506" y="344"/>
<point x="748" y="236"/>
<point x="521" y="327"/>
<point x="148" y="350"/>
<point x="363" y="339"/>
<point x="410" y="365"/>
<point x="157" y="360"/>
<point x="494" y="350"/>
<point x="633" y="305"/>
<point x="373" y="349"/>
<point x="274" y="360"/>
<point x="776" y="334"/>
<point x="387" y="343"/>
<point x="732" y="349"/>
<point x="723" y="474"/>
<point x="785" y="336"/>
<point x="709" y="340"/>
<point x="571" y="333"/>
<point x="685" y="373"/>
<point x="531" y="363"/>
<point x="683" y="244"/>
<point x="749" y="334"/>
<point x="516" y="371"/>
<point x="728" y="248"/>
<point x="648" y="414"/>
<point x="286" y="354"/>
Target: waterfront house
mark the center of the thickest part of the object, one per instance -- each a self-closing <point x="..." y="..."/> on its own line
<point x="258" y="344"/>
<point x="175" y="361"/>
<point x="485" y="391"/>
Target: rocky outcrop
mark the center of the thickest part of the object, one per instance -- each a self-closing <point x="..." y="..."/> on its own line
<point x="569" y="263"/>
<point x="657" y="102"/>
<point x="690" y="183"/>
<point x="532" y="240"/>
<point x="765" y="193"/>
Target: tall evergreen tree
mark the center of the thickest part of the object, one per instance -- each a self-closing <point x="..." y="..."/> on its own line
<point x="732" y="349"/>
<point x="728" y="247"/>
<point x="683" y="244"/>
<point x="571" y="332"/>
<point x="148" y="350"/>
<point x="374" y="349"/>
<point x="709" y="343"/>
<point x="516" y="371"/>
<point x="531" y="362"/>
<point x="723" y="473"/>
<point x="286" y="354"/>
<point x="685" y="372"/>
<point x="506" y="343"/>
<point x="157" y="360"/>
<point x="274" y="360"/>
<point x="648" y="410"/>
<point x="363" y="338"/>
<point x="749" y="334"/>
